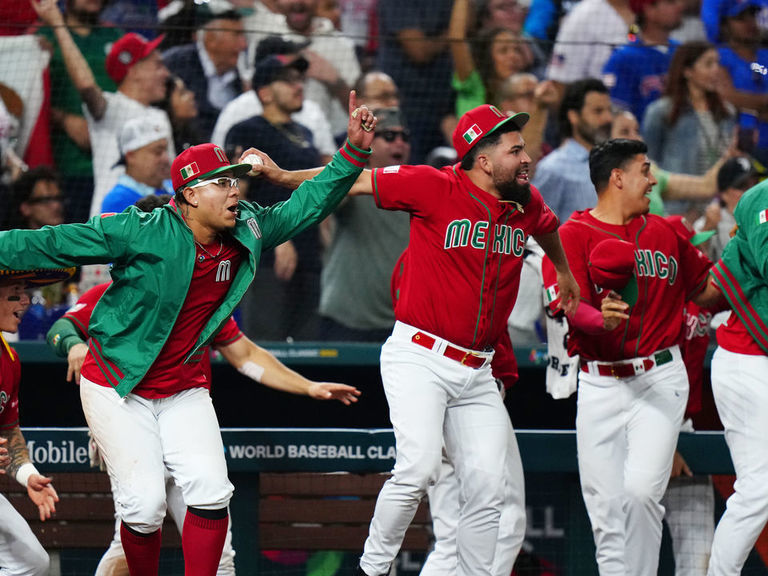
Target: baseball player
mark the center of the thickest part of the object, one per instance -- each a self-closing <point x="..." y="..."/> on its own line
<point x="469" y="225"/>
<point x="632" y="385"/>
<point x="444" y="494"/>
<point x="68" y="337"/>
<point x="739" y="367"/>
<point x="178" y="273"/>
<point x="20" y="551"/>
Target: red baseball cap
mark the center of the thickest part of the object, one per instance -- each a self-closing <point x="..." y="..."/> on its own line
<point x="612" y="267"/>
<point x="200" y="162"/>
<point x="480" y="122"/>
<point x="126" y="52"/>
<point x="637" y="5"/>
<point x="684" y="229"/>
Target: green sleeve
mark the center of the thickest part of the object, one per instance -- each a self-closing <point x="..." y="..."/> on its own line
<point x="62" y="336"/>
<point x="101" y="240"/>
<point x="315" y="199"/>
<point x="470" y="93"/>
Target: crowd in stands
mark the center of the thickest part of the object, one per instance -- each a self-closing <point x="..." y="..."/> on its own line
<point x="98" y="96"/>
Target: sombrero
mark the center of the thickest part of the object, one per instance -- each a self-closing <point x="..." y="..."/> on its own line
<point x="38" y="276"/>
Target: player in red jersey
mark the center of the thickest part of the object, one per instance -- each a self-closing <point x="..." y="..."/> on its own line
<point x="20" y="551"/>
<point x="469" y="225"/>
<point x="633" y="385"/>
<point x="68" y="337"/>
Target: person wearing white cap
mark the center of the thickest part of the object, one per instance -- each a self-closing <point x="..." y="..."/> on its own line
<point x="143" y="146"/>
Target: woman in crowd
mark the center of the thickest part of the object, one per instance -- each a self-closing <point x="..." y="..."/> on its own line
<point x="691" y="127"/>
<point x="179" y="104"/>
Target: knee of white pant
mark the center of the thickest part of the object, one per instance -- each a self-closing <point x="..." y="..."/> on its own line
<point x="209" y="492"/>
<point x="143" y="512"/>
<point x="642" y="491"/>
<point x="417" y="476"/>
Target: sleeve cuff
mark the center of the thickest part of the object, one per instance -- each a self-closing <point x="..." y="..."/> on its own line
<point x="24" y="472"/>
<point x="356" y="156"/>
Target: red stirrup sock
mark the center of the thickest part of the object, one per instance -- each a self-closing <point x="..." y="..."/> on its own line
<point x="142" y="551"/>
<point x="202" y="540"/>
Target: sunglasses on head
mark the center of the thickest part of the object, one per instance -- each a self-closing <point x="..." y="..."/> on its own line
<point x="391" y="135"/>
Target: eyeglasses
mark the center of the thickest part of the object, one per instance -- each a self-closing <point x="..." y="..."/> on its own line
<point x="391" y="135"/>
<point x="221" y="182"/>
<point x="45" y="199"/>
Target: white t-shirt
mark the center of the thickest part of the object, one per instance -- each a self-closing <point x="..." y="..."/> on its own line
<point x="587" y="36"/>
<point x="248" y="105"/>
<point x="120" y="108"/>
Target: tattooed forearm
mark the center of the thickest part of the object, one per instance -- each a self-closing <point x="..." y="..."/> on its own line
<point x="17" y="450"/>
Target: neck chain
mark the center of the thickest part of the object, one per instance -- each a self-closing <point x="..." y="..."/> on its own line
<point x="201" y="258"/>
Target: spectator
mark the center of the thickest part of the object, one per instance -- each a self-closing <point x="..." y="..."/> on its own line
<point x="587" y="37"/>
<point x="585" y="121"/>
<point x="248" y="104"/>
<point x="524" y="93"/>
<point x="333" y="69"/>
<point x="209" y="66"/>
<point x="378" y="90"/>
<point x="414" y="51"/>
<point x="479" y="69"/>
<point x="691" y="126"/>
<point x="735" y="177"/>
<point x="36" y="200"/>
<point x="509" y="14"/>
<point x="282" y="301"/>
<point x="331" y="10"/>
<point x="355" y="302"/>
<point x="670" y="186"/>
<point x="635" y="72"/>
<point x="713" y="13"/>
<point x="744" y="67"/>
<point x="179" y="103"/>
<point x="138" y="70"/>
<point x="69" y="130"/>
<point x="144" y="151"/>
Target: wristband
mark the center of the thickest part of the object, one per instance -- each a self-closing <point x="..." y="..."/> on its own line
<point x="24" y="472"/>
<point x="252" y="370"/>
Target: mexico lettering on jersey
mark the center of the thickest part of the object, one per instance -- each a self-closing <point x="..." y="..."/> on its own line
<point x="169" y="374"/>
<point x="465" y="251"/>
<point x="10" y="376"/>
<point x="669" y="270"/>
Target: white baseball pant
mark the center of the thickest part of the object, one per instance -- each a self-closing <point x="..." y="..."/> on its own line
<point x="21" y="554"/>
<point x="433" y="399"/>
<point x="139" y="438"/>
<point x="445" y="504"/>
<point x="741" y="396"/>
<point x="113" y="561"/>
<point x="626" y="435"/>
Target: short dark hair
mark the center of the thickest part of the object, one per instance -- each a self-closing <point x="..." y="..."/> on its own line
<point x="21" y="190"/>
<point x="604" y="158"/>
<point x="574" y="98"/>
<point x="151" y="201"/>
<point x="486" y="142"/>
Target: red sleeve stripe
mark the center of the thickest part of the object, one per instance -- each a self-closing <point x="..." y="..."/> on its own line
<point x="375" y="187"/>
<point x="351" y="159"/>
<point x="111" y="372"/>
<point x="740" y="305"/>
<point x="228" y="341"/>
<point x="359" y="153"/>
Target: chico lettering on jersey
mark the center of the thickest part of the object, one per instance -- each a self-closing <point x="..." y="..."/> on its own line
<point x="505" y="239"/>
<point x="656" y="264"/>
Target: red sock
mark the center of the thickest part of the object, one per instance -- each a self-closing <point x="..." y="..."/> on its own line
<point x="142" y="552"/>
<point x="202" y="540"/>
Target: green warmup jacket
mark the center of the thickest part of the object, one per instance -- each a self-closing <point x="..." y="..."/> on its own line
<point x="153" y="256"/>
<point x="742" y="271"/>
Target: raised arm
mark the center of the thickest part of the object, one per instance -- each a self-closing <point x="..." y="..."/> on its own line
<point x="463" y="65"/>
<point x="77" y="67"/>
<point x="261" y="366"/>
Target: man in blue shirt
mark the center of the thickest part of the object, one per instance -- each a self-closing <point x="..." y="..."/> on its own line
<point x="635" y="72"/>
<point x="562" y="177"/>
<point x="143" y="145"/>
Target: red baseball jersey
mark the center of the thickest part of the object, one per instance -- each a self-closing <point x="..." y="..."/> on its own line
<point x="734" y="337"/>
<point x="694" y="343"/>
<point x="504" y="363"/>
<point x="10" y="376"/>
<point x="669" y="271"/>
<point x="465" y="251"/>
<point x="80" y="315"/>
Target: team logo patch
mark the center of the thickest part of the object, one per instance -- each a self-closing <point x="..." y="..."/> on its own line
<point x="473" y="133"/>
<point x="762" y="217"/>
<point x="550" y="294"/>
<point x="189" y="170"/>
<point x="391" y="169"/>
<point x="125" y="57"/>
<point x="253" y="226"/>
